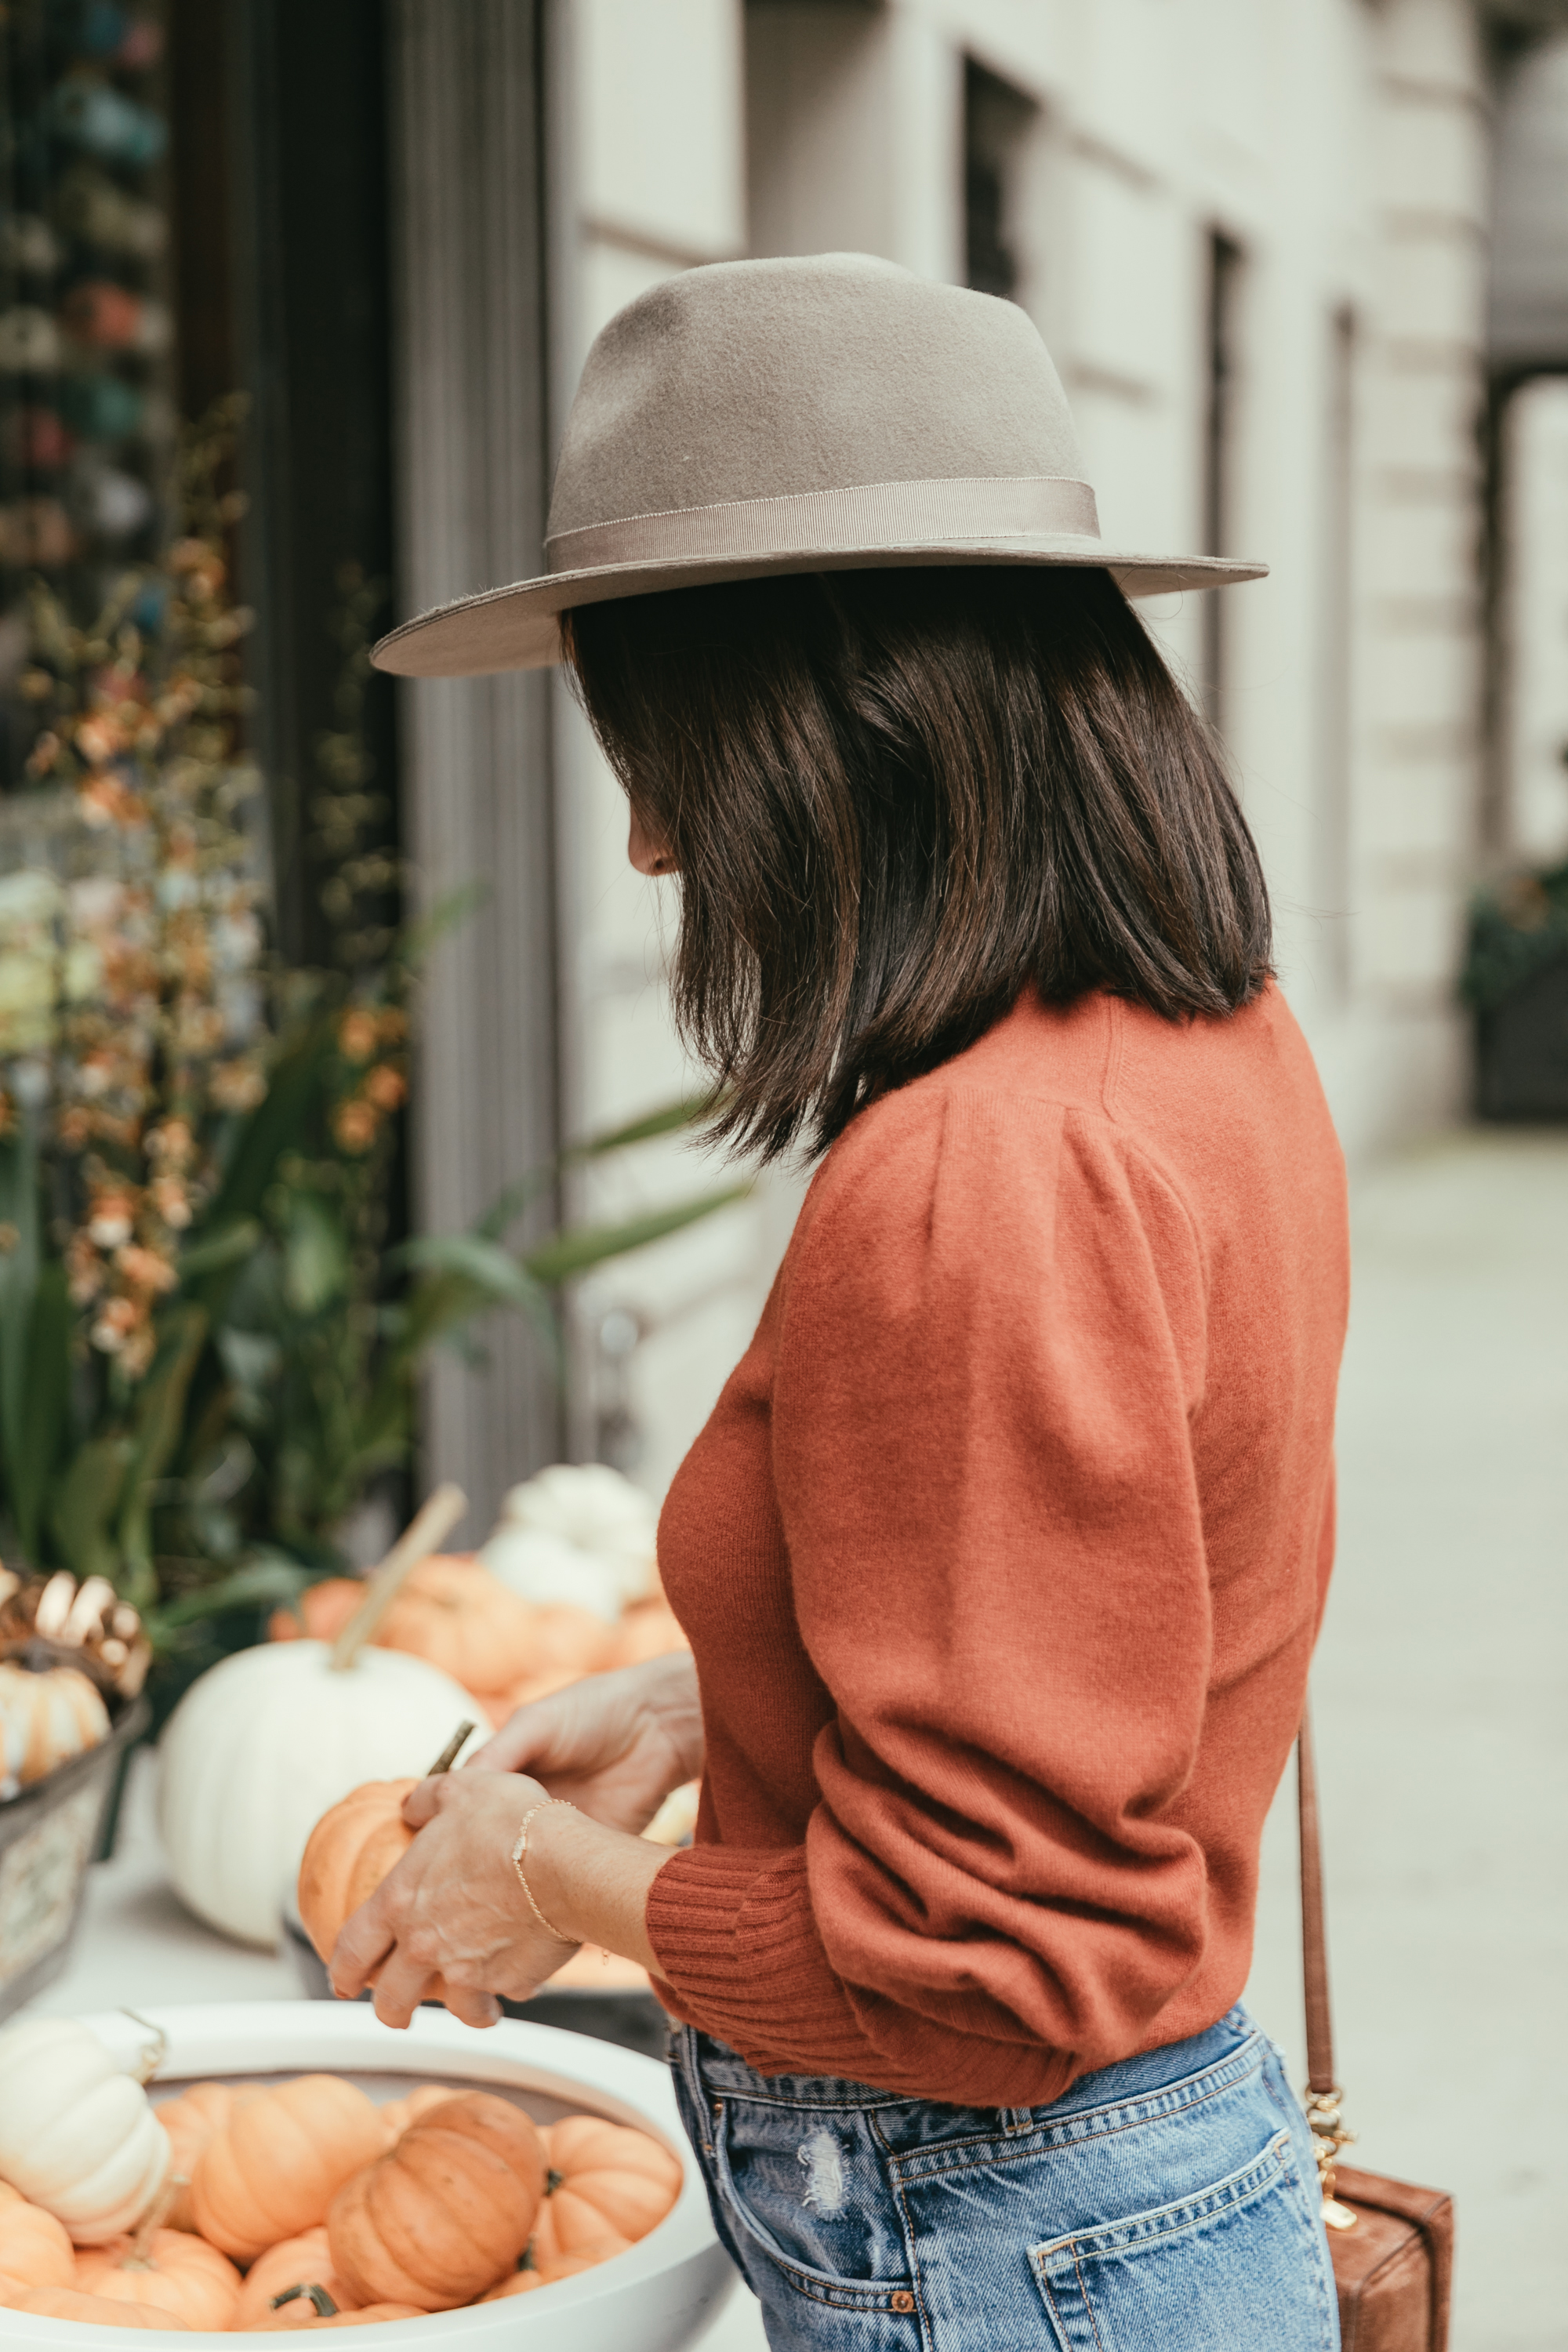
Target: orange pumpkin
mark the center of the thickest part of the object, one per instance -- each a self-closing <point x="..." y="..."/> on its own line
<point x="398" y="2114"/>
<point x="69" y="2303"/>
<point x="321" y="1614"/>
<point x="305" y="2261"/>
<point x="462" y="1618"/>
<point x="450" y="1610"/>
<point x="349" y="1850"/>
<point x="559" y="2266"/>
<point x="174" y="2272"/>
<point x="280" y="2160"/>
<point x="196" y="2117"/>
<point x="314" y="2307"/>
<point x="447" y="2211"/>
<point x="568" y="1643"/>
<point x="648" y="1630"/>
<point x="33" y="2247"/>
<point x="603" y="2176"/>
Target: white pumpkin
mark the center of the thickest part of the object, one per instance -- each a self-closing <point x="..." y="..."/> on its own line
<point x="577" y="1532"/>
<point x="46" y="1719"/>
<point x="77" y="2136"/>
<point x="263" y="1744"/>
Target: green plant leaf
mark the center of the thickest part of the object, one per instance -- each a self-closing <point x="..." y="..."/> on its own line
<point x="670" y="1120"/>
<point x="272" y="1127"/>
<point x="315" y="1255"/>
<point x="480" y="1264"/>
<point x="269" y="1580"/>
<point x="46" y="1406"/>
<point x="448" y="914"/>
<point x="214" y="1251"/>
<point x="18" y="1286"/>
<point x="585" y="1247"/>
<point x="86" y="1497"/>
<point x="159" y="1421"/>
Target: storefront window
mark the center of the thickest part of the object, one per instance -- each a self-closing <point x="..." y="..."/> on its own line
<point x="87" y="329"/>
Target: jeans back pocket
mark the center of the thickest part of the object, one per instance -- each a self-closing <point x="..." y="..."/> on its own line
<point x="1237" y="2265"/>
<point x="807" y="2187"/>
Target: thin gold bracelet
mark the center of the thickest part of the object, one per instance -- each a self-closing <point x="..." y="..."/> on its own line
<point x="521" y="1848"/>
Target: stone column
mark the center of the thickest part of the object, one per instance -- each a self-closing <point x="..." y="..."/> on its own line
<point x="471" y="372"/>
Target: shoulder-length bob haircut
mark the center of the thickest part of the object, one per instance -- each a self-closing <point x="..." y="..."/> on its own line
<point x="899" y="798"/>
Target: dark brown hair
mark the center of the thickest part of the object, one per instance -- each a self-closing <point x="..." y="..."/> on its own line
<point x="899" y="797"/>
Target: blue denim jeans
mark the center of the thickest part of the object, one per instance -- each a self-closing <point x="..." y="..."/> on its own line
<point x="1166" y="2204"/>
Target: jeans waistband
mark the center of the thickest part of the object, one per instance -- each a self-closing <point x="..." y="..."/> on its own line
<point x="1158" y="2080"/>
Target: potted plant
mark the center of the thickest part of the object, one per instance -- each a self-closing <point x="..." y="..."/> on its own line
<point x="1515" y="982"/>
<point x="208" y="1352"/>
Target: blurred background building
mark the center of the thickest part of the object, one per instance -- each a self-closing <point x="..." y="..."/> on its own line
<point x="1261" y="239"/>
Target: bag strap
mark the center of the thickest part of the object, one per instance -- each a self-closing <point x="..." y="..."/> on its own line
<point x="1322" y="2100"/>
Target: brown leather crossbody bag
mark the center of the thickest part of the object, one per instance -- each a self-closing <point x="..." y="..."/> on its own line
<point x="1392" y="2244"/>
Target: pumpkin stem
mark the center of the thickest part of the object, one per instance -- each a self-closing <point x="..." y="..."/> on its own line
<point x="451" y="1753"/>
<point x="325" y="2308"/>
<point x="429" y="1526"/>
<point x="139" y="2254"/>
<point x="552" y="2181"/>
<point x="152" y="2057"/>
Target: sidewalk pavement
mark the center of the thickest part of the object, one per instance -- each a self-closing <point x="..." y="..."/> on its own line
<point x="1441" y="1714"/>
<point x="1441" y="1722"/>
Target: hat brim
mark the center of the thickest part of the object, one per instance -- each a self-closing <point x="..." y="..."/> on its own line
<point x="518" y="627"/>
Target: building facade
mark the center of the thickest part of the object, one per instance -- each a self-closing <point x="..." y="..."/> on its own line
<point x="1253" y="234"/>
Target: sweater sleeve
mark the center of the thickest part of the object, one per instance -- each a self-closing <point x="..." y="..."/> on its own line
<point x="990" y="1352"/>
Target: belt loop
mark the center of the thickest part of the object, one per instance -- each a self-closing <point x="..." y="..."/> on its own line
<point x="1014" y="2120"/>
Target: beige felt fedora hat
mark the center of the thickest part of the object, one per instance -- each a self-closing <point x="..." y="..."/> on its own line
<point x="829" y="413"/>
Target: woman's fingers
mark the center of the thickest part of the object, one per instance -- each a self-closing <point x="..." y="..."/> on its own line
<point x="526" y="1739"/>
<point x="472" y="2008"/>
<point x="423" y="1803"/>
<point x="400" y="1987"/>
<point x="366" y="1939"/>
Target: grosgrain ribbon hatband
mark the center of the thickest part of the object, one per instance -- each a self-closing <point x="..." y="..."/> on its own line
<point x="871" y="514"/>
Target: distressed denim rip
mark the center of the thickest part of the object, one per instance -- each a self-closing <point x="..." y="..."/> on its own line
<point x="1166" y="2204"/>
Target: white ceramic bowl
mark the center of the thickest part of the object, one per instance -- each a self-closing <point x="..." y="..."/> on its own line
<point x="661" y="2294"/>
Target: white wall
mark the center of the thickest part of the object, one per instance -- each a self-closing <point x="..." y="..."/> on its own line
<point x="1342" y="146"/>
<point x="1536" y="540"/>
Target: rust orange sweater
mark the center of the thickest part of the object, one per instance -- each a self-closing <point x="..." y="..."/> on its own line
<point x="1002" y="1557"/>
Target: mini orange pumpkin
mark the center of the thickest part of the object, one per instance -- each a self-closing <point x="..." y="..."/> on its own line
<point x="302" y="2262"/>
<point x="587" y="2257"/>
<point x="312" y="2306"/>
<point x="568" y="1643"/>
<point x="398" y="2114"/>
<point x="447" y="2211"/>
<point x="280" y="2160"/>
<point x="348" y="1853"/>
<point x="462" y="1618"/>
<point x="172" y="2272"/>
<point x="69" y="2303"/>
<point x="650" y="1629"/>
<point x="603" y="2176"/>
<point x="196" y="2117"/>
<point x="321" y="1614"/>
<point x="33" y="2247"/>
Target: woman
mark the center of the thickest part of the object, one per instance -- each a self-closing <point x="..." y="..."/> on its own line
<point x="1004" y="1551"/>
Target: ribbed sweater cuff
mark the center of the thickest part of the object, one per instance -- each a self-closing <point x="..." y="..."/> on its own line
<point x="737" y="1945"/>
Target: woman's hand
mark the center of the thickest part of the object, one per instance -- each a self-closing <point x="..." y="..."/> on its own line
<point x="615" y="1745"/>
<point x="454" y="1906"/>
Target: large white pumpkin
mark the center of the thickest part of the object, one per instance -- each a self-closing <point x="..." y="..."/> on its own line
<point x="259" y="1748"/>
<point x="77" y="2136"/>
